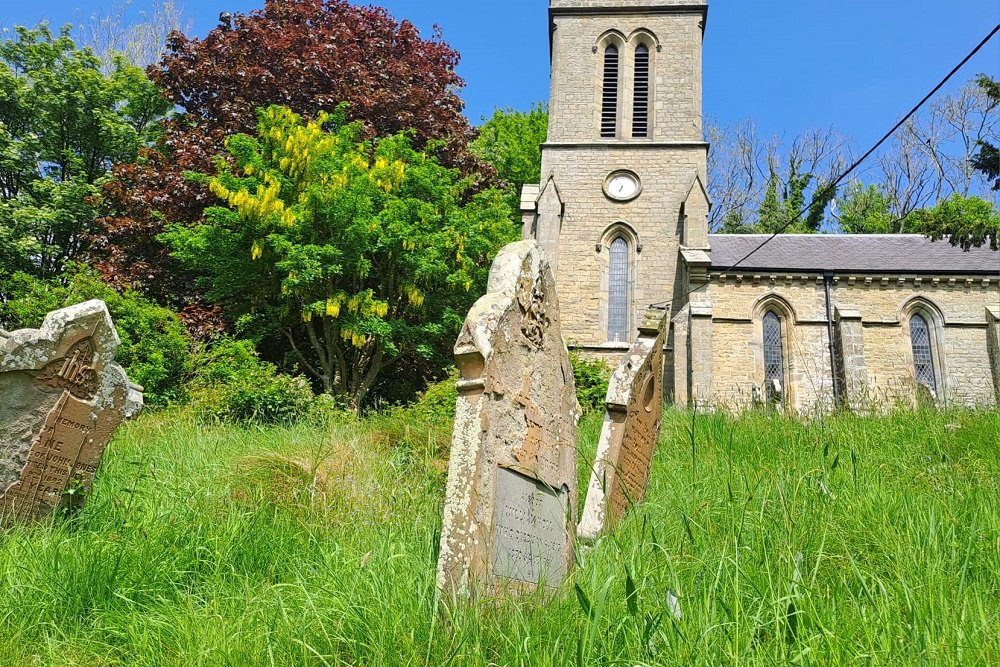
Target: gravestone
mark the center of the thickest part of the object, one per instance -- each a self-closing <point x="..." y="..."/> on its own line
<point x="634" y="408"/>
<point x="511" y="499"/>
<point x="61" y="398"/>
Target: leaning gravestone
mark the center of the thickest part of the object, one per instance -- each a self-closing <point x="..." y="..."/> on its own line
<point x="510" y="505"/>
<point x="634" y="408"/>
<point x="61" y="398"/>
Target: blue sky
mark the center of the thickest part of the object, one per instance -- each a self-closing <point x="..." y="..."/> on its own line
<point x="791" y="65"/>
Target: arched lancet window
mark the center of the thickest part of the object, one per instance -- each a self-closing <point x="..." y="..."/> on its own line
<point x="618" y="291"/>
<point x="640" y="93"/>
<point x="923" y="357"/>
<point x="609" y="93"/>
<point x="774" y="359"/>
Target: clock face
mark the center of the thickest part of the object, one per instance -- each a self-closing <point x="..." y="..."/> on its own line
<point x="622" y="185"/>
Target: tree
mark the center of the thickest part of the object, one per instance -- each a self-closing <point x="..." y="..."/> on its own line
<point x="306" y="54"/>
<point x="357" y="252"/>
<point x="968" y="222"/>
<point x="511" y="142"/>
<point x="866" y="209"/>
<point x="937" y="154"/>
<point x="63" y="123"/>
<point x="760" y="186"/>
<point x="987" y="160"/>
<point x="140" y="43"/>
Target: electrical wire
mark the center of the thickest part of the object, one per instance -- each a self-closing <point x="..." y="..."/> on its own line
<point x="835" y="183"/>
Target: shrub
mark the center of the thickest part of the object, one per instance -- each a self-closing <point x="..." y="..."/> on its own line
<point x="155" y="349"/>
<point x="233" y="384"/>
<point x="437" y="402"/>
<point x="591" y="376"/>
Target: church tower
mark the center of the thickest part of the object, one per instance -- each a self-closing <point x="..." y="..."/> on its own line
<point x="622" y="191"/>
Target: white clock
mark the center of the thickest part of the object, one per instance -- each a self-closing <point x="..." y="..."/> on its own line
<point x="622" y="185"/>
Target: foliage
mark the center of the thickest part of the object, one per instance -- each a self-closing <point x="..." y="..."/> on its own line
<point x="948" y="148"/>
<point x="233" y="384"/>
<point x="591" y="377"/>
<point x="155" y="349"/>
<point x="217" y="545"/>
<point x="967" y="222"/>
<point x="350" y="254"/>
<point x="867" y="209"/>
<point x="309" y="55"/>
<point x="759" y="185"/>
<point x="786" y="211"/>
<point x="63" y="123"/>
<point x="987" y="160"/>
<point x="437" y="403"/>
<point x="510" y="141"/>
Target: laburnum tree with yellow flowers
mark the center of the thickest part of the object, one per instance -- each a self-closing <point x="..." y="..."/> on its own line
<point x="353" y="253"/>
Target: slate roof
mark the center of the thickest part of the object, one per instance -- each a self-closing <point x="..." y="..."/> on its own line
<point x="850" y="253"/>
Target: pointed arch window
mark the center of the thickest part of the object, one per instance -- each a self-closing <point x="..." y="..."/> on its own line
<point x="618" y="291"/>
<point x="640" y="93"/>
<point x="923" y="356"/>
<point x="774" y="359"/>
<point x="609" y="93"/>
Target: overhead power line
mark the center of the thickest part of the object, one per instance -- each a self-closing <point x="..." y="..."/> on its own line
<point x="835" y="183"/>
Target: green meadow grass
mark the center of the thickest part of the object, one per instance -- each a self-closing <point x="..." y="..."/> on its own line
<point x="308" y="545"/>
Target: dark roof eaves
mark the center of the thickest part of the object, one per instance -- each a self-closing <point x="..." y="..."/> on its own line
<point x="715" y="268"/>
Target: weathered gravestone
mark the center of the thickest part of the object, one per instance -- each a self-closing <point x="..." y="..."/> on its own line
<point x="510" y="505"/>
<point x="61" y="398"/>
<point x="634" y="408"/>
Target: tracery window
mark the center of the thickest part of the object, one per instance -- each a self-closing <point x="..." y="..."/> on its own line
<point x="640" y="93"/>
<point x="609" y="93"/>
<point x="618" y="291"/>
<point x="923" y="357"/>
<point x="774" y="361"/>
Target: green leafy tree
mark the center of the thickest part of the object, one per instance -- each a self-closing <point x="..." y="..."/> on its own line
<point x="511" y="141"/>
<point x="63" y="123"/>
<point x="968" y="222"/>
<point x="867" y="209"/>
<point x="357" y="253"/>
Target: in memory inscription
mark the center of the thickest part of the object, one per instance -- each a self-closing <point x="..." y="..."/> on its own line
<point x="529" y="530"/>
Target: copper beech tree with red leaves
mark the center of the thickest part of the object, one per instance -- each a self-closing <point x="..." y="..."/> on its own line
<point x="308" y="55"/>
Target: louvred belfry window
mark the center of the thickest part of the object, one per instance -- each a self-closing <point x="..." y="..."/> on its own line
<point x="774" y="363"/>
<point x="923" y="359"/>
<point x="609" y="93"/>
<point x="640" y="93"/>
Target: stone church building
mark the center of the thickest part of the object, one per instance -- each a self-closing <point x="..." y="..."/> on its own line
<point x="805" y="321"/>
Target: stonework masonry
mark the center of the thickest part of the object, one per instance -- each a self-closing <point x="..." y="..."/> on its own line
<point x="855" y="350"/>
<point x="873" y="327"/>
<point x="577" y="161"/>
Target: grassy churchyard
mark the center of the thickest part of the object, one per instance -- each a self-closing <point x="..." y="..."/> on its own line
<point x="764" y="541"/>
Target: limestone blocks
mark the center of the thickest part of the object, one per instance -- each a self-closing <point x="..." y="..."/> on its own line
<point x="61" y="398"/>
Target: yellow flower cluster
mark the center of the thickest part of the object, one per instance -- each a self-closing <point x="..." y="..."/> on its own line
<point x="358" y="340"/>
<point x="263" y="203"/>
<point x="388" y="175"/>
<point x="365" y="305"/>
<point x="300" y="145"/>
<point x="414" y="296"/>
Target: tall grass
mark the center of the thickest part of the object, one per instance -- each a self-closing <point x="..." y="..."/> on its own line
<point x="763" y="541"/>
